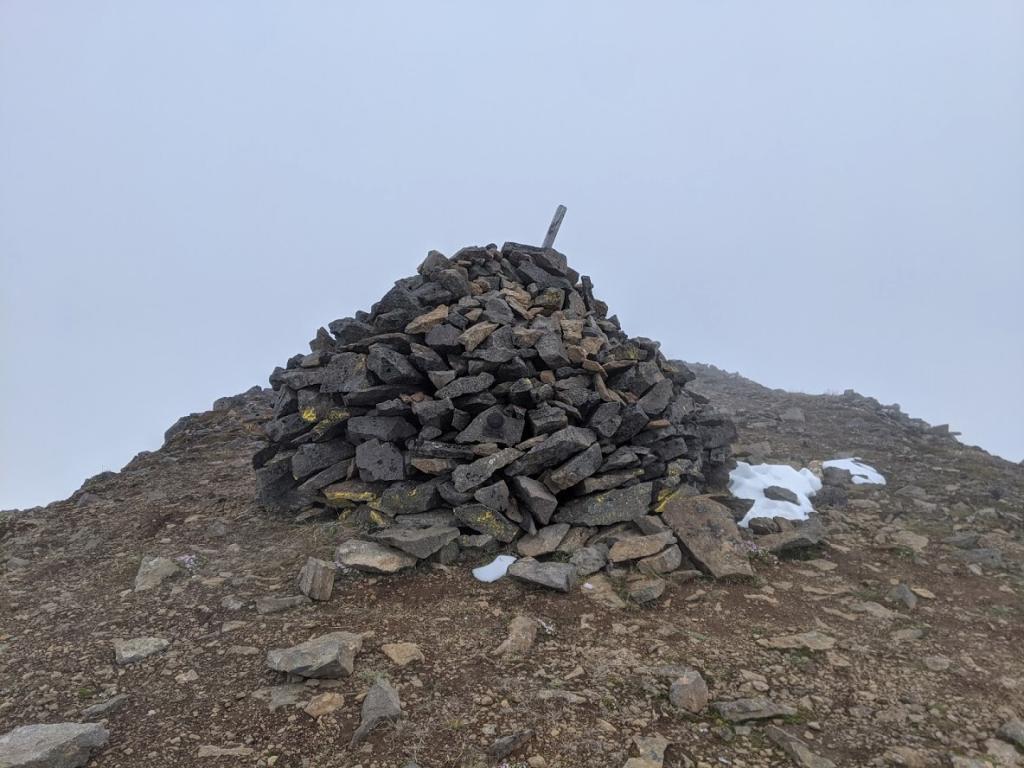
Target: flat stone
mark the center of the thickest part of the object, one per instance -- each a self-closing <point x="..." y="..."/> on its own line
<point x="268" y="605"/>
<point x="689" y="692"/>
<point x="381" y="705"/>
<point x="418" y="542"/>
<point x="56" y="745"/>
<point x="575" y="470"/>
<point x="588" y="560"/>
<point x="644" y="589"/>
<point x="316" y="579"/>
<point x="545" y="541"/>
<point x="547" y="419"/>
<point x="808" y="641"/>
<point x="795" y="749"/>
<point x="552" y="351"/>
<point x="324" y="704"/>
<point x="351" y="493"/>
<point x="616" y="506"/>
<point x="485" y="520"/>
<point x="391" y="366"/>
<point x="557" y="576"/>
<point x="153" y="571"/>
<point x="347" y="372"/>
<point x="1012" y="731"/>
<point x="555" y="449"/>
<point x="383" y="428"/>
<point x="475" y="335"/>
<point x="426" y="321"/>
<point x="778" y="493"/>
<point x="371" y="557"/>
<point x="536" y="497"/>
<point x="407" y="498"/>
<point x="640" y="546"/>
<point x="522" y="633"/>
<point x="103" y="708"/>
<point x="402" y="654"/>
<point x="757" y="708"/>
<point x="507" y="745"/>
<point x="138" y="648"/>
<point x="493" y="425"/>
<point x="707" y="531"/>
<point x="379" y="461"/>
<point x="494" y="496"/>
<point x="663" y="562"/>
<point x="209" y="750"/>
<point x="467" y="385"/>
<point x="466" y="477"/>
<point x="328" y="656"/>
<point x="599" y="589"/>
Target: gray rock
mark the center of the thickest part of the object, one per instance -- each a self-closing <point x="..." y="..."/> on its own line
<point x="137" y="648"/>
<point x="778" y="493"/>
<point x="495" y="496"/>
<point x="418" y="542"/>
<point x="807" y="536"/>
<point x="644" y="589"/>
<point x="467" y="385"/>
<point x="902" y="594"/>
<point x="536" y="497"/>
<point x="347" y="372"/>
<point x="328" y="656"/>
<point x="588" y="560"/>
<point x="709" y="534"/>
<point x="314" y="457"/>
<point x="57" y="745"/>
<point x="795" y="749"/>
<point x="555" y="449"/>
<point x="390" y="366"/>
<point x="384" y="428"/>
<point x="466" y="477"/>
<point x="409" y="498"/>
<point x="316" y="579"/>
<point x="689" y="692"/>
<point x="547" y="419"/>
<point x="545" y="541"/>
<point x="552" y="351"/>
<point x="558" y="576"/>
<point x="636" y="547"/>
<point x="268" y="605"/>
<point x="153" y="571"/>
<point x="657" y="398"/>
<point x="372" y="557"/>
<point x="494" y="425"/>
<point x="381" y="705"/>
<point x="615" y="506"/>
<point x="379" y="461"/>
<point x="575" y="470"/>
<point x="1012" y="731"/>
<point x="485" y="520"/>
<point x="506" y="745"/>
<point x="605" y="419"/>
<point x="108" y="707"/>
<point x="757" y="708"/>
<point x="663" y="562"/>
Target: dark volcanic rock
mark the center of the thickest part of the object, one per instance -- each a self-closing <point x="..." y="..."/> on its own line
<point x="489" y="396"/>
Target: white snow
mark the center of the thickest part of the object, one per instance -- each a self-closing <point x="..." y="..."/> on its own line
<point x="749" y="481"/>
<point x="863" y="474"/>
<point x="494" y="570"/>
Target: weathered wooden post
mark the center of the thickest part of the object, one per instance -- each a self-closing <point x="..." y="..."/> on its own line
<point x="556" y="222"/>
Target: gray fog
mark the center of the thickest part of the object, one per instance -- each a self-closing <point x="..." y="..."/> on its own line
<point x="833" y="192"/>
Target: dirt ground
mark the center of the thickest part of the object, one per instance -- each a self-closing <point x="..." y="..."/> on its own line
<point x="900" y="686"/>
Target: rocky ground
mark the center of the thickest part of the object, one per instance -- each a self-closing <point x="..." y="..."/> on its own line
<point x="897" y="642"/>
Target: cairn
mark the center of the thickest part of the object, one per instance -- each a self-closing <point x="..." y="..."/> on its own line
<point x="488" y="397"/>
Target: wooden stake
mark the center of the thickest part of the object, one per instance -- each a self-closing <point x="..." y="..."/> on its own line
<point x="556" y="222"/>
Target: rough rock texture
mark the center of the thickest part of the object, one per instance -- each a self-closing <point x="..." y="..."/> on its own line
<point x="381" y="705"/>
<point x="58" y="745"/>
<point x="331" y="656"/>
<point x="492" y="385"/>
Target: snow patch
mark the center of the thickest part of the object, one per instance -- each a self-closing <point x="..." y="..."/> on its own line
<point x="748" y="481"/>
<point x="863" y="474"/>
<point x="494" y="570"/>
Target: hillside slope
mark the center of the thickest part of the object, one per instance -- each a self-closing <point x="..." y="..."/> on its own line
<point x="899" y="685"/>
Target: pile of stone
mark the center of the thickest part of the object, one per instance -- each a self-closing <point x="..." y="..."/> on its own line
<point x="486" y="399"/>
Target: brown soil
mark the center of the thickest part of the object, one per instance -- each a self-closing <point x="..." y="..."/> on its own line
<point x="588" y="686"/>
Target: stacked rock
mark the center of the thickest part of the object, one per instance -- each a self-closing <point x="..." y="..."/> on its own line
<point x="490" y="394"/>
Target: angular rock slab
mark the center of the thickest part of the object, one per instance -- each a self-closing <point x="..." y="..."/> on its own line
<point x="56" y="745"/>
<point x="617" y="506"/>
<point x="418" y="542"/>
<point x="137" y="648"/>
<point x="381" y="705"/>
<point x="372" y="557"/>
<point x="328" y="656"/>
<point x="544" y="541"/>
<point x="153" y="571"/>
<point x="316" y="579"/>
<point x="558" y="576"/>
<point x="522" y="632"/>
<point x="709" y="534"/>
<point x="640" y="546"/>
<point x="757" y="708"/>
<point x="808" y="641"/>
<point x="795" y="749"/>
<point x="689" y="692"/>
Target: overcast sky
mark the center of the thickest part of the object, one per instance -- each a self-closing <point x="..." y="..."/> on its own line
<point x="820" y="195"/>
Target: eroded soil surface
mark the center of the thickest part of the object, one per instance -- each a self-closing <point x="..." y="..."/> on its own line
<point x="899" y="686"/>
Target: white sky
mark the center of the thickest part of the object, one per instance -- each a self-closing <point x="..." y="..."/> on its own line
<point x="819" y="195"/>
